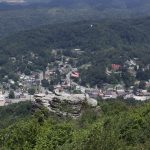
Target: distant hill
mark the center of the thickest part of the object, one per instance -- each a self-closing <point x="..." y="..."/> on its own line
<point x="106" y="41"/>
<point x="33" y="13"/>
<point x="133" y="5"/>
<point x="104" y="33"/>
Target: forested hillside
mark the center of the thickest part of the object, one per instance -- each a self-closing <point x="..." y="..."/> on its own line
<point x="114" y="126"/>
<point x="89" y="35"/>
<point x="16" y="18"/>
<point x="106" y="41"/>
<point x="12" y="113"/>
<point x="86" y="61"/>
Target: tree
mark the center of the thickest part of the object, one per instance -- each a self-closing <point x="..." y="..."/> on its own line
<point x="11" y="94"/>
<point x="142" y="85"/>
<point x="31" y="91"/>
<point x="13" y="76"/>
<point x="45" y="83"/>
<point x="51" y="87"/>
<point x="127" y="78"/>
<point x="135" y="89"/>
<point x="148" y="89"/>
<point x="27" y="72"/>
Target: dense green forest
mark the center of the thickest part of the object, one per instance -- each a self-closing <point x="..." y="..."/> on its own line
<point x="107" y="41"/>
<point x="33" y="35"/>
<point x="114" y="125"/>
<point x="16" y="18"/>
<point x="12" y="113"/>
<point x="128" y="36"/>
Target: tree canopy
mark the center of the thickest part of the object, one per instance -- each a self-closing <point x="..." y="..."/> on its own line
<point x="116" y="125"/>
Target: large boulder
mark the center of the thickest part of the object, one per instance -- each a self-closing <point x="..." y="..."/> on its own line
<point x="65" y="104"/>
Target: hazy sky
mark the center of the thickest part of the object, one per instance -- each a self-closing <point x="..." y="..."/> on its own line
<point x="12" y="1"/>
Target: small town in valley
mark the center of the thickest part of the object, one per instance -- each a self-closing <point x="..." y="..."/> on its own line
<point x="59" y="84"/>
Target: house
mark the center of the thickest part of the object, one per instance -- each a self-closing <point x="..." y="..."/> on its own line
<point x="109" y="95"/>
<point x="132" y="71"/>
<point x="11" y="81"/>
<point x="108" y="72"/>
<point x="128" y="96"/>
<point x="140" y="98"/>
<point x="2" y="99"/>
<point x="75" y="74"/>
<point x="148" y="84"/>
<point x="77" y="51"/>
<point x="130" y="62"/>
<point x="115" y="67"/>
<point x="137" y="97"/>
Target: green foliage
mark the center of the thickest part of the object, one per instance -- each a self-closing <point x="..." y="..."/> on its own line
<point x="54" y="136"/>
<point x="148" y="89"/>
<point x="142" y="85"/>
<point x="45" y="83"/>
<point x="51" y="87"/>
<point x="11" y="113"/>
<point x="101" y="137"/>
<point x="107" y="42"/>
<point x="11" y="94"/>
<point x="18" y="18"/>
<point x="31" y="91"/>
<point x="115" y="126"/>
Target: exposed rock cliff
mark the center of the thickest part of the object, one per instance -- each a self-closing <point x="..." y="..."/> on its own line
<point x="64" y="104"/>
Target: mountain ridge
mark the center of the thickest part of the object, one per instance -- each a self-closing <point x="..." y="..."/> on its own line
<point x="32" y="14"/>
<point x="106" y="41"/>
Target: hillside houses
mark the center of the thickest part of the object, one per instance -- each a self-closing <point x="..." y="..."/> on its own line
<point x="62" y="75"/>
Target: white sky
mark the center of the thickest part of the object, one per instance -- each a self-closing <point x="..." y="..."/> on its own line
<point x="12" y="1"/>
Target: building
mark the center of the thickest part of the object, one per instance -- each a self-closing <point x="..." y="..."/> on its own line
<point x="115" y="67"/>
<point x="2" y="100"/>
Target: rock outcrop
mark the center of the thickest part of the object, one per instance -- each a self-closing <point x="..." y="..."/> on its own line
<point x="64" y="104"/>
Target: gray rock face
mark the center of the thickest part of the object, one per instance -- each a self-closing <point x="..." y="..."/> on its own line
<point x="64" y="104"/>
